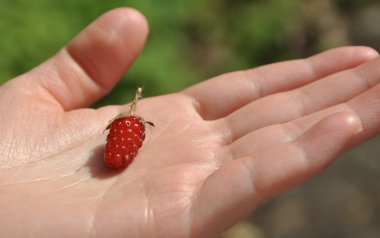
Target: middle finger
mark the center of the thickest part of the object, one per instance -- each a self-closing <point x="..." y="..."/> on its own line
<point x="290" y="105"/>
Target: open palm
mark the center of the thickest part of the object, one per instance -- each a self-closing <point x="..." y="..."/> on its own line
<point x="218" y="150"/>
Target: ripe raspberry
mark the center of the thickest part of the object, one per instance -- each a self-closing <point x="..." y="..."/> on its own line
<point x="125" y="138"/>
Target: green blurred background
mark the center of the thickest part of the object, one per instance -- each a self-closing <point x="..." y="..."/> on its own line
<point x="191" y="41"/>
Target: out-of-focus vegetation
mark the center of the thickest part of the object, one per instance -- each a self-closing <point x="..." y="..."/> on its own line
<point x="193" y="40"/>
<point x="189" y="40"/>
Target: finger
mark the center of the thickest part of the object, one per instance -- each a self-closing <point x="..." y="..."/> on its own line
<point x="278" y="134"/>
<point x="224" y="94"/>
<point x="247" y="182"/>
<point x="288" y="106"/>
<point x="366" y="106"/>
<point x="92" y="63"/>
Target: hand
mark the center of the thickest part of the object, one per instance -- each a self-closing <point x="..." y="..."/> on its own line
<point x="218" y="150"/>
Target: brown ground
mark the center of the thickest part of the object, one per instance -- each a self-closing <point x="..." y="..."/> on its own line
<point x="344" y="201"/>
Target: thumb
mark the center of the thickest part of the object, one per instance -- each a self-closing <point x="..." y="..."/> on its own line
<point x="92" y="63"/>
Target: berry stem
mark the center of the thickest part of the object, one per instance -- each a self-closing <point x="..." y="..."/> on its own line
<point x="138" y="96"/>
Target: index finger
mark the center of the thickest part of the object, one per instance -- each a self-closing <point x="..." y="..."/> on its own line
<point x="218" y="97"/>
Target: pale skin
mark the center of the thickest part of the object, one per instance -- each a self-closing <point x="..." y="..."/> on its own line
<point x="219" y="148"/>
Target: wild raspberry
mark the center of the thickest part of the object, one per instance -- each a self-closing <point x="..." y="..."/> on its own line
<point x="125" y="137"/>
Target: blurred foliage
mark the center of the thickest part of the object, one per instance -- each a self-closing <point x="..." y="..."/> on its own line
<point x="189" y="40"/>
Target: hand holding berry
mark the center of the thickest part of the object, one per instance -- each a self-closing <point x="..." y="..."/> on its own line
<point x="219" y="148"/>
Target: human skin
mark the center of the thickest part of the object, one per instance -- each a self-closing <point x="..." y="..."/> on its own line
<point x="219" y="148"/>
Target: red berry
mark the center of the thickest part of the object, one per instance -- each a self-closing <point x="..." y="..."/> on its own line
<point x="126" y="135"/>
<point x="125" y="138"/>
